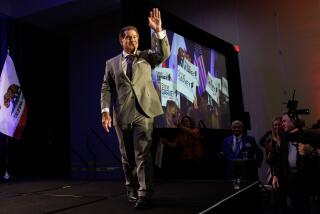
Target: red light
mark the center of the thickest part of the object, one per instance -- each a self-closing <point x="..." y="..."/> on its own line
<point x="236" y="48"/>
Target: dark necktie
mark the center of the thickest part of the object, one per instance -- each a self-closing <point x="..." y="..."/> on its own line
<point x="238" y="144"/>
<point x="129" y="59"/>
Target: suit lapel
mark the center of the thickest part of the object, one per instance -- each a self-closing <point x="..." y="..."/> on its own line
<point x="118" y="66"/>
<point x="134" y="64"/>
<point x="231" y="145"/>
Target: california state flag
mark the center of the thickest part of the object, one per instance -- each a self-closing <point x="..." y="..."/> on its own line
<point x="13" y="108"/>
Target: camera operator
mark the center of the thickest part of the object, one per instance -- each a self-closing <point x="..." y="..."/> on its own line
<point x="294" y="170"/>
<point x="312" y="149"/>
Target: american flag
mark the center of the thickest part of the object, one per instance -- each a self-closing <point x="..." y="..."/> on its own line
<point x="198" y="61"/>
<point x="212" y="60"/>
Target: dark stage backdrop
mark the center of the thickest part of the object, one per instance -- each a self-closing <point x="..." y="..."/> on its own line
<point x="91" y="43"/>
<point x="61" y="80"/>
<point x="41" y="63"/>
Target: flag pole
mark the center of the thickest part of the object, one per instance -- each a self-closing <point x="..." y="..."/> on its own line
<point x="6" y="175"/>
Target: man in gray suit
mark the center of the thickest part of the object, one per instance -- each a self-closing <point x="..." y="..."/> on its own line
<point x="128" y="88"/>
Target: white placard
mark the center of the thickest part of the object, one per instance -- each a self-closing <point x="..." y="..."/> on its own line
<point x="186" y="84"/>
<point x="213" y="87"/>
<point x="168" y="91"/>
<point x="224" y="87"/>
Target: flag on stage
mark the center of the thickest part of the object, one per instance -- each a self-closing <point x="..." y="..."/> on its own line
<point x="13" y="108"/>
<point x="212" y="60"/>
<point x="199" y="62"/>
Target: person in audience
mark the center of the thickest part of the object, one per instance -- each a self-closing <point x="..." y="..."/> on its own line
<point x="312" y="149"/>
<point x="294" y="172"/>
<point x="172" y="114"/>
<point x="240" y="146"/>
<point x="190" y="151"/>
<point x="271" y="143"/>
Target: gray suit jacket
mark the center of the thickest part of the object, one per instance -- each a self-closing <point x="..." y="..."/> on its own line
<point x="119" y="92"/>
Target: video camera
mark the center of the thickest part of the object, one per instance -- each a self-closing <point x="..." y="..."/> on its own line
<point x="293" y="112"/>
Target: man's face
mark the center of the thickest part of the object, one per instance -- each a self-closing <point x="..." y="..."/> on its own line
<point x="287" y="123"/>
<point x="130" y="41"/>
<point x="236" y="129"/>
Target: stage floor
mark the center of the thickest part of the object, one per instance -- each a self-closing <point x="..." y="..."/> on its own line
<point x="95" y="197"/>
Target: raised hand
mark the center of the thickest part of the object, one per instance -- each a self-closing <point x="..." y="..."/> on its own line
<point x="155" y="20"/>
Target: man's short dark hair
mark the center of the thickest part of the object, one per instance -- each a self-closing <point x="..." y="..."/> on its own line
<point x="126" y="28"/>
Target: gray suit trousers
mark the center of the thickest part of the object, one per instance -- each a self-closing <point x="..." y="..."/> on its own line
<point x="135" y="141"/>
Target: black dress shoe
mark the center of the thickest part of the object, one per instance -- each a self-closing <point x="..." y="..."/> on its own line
<point x="143" y="203"/>
<point x="132" y="196"/>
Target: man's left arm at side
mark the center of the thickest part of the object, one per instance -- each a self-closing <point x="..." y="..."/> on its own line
<point x="106" y="94"/>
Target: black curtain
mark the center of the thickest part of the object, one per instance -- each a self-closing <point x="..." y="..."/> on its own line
<point x="41" y="61"/>
<point x="3" y="39"/>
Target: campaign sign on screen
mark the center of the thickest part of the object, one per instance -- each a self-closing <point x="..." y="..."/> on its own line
<point x="192" y="82"/>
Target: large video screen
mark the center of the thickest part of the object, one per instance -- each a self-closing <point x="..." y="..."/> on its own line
<point x="192" y="82"/>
